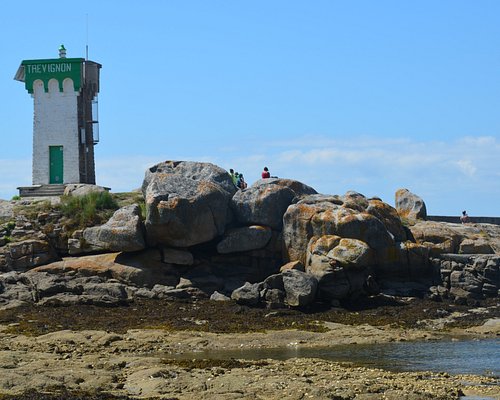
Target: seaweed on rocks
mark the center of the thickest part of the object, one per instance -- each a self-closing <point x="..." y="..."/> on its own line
<point x="229" y="317"/>
<point x="67" y="395"/>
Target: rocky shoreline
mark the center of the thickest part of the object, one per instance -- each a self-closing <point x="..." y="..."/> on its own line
<point x="278" y="243"/>
<point x="98" y="304"/>
<point x="132" y="358"/>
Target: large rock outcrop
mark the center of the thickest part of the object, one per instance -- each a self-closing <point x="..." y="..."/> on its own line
<point x="265" y="202"/>
<point x="410" y="206"/>
<point x="6" y="209"/>
<point x="244" y="239"/>
<point x="341" y="266"/>
<point x="291" y="287"/>
<point x="143" y="269"/>
<point x="319" y="215"/>
<point x="443" y="237"/>
<point x="467" y="278"/>
<point x="105" y="279"/>
<point x="186" y="202"/>
<point x="203" y="236"/>
<point x="25" y="254"/>
<point x="346" y="242"/>
<point x="83" y="189"/>
<point x="123" y="232"/>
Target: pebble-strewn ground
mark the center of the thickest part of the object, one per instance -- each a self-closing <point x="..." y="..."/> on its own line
<point x="128" y="352"/>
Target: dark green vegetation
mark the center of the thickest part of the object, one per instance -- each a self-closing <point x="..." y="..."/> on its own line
<point x="5" y="231"/>
<point x="75" y="212"/>
<point x="91" y="209"/>
<point x="228" y="317"/>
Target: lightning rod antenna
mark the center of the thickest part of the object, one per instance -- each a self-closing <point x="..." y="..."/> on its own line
<point x="87" y="39"/>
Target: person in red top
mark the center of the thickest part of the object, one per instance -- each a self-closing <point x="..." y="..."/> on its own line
<point x="266" y="173"/>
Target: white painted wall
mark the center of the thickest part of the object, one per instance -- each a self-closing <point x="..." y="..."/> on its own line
<point x="55" y="123"/>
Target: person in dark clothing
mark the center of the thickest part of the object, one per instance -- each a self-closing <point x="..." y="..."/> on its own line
<point x="241" y="184"/>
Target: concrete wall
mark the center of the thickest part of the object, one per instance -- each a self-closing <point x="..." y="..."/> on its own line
<point x="456" y="219"/>
<point x="55" y="123"/>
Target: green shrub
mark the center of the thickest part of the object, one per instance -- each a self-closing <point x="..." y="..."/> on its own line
<point x="91" y="209"/>
<point x="142" y="206"/>
<point x="16" y="197"/>
<point x="6" y="231"/>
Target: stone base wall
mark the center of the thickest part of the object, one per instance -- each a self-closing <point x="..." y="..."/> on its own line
<point x="456" y="219"/>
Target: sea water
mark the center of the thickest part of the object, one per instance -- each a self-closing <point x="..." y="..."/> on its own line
<point x="478" y="357"/>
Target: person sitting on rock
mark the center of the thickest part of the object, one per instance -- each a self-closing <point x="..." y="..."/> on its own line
<point x="241" y="182"/>
<point x="266" y="174"/>
<point x="464" y="218"/>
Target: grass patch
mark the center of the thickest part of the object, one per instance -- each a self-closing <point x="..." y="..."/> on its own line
<point x="128" y="198"/>
<point x="89" y="210"/>
<point x="9" y="226"/>
<point x="6" y="230"/>
<point x="32" y="210"/>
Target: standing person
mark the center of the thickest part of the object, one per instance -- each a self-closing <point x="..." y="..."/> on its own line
<point x="232" y="175"/>
<point x="266" y="174"/>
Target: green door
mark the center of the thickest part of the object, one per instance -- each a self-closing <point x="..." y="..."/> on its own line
<point x="56" y="164"/>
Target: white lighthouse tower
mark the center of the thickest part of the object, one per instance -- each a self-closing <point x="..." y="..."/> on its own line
<point x="65" y="121"/>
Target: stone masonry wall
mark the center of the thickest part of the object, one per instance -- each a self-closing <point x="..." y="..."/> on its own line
<point x="55" y="124"/>
<point x="456" y="219"/>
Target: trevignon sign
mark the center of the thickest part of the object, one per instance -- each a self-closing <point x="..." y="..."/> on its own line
<point x="59" y="69"/>
<point x="43" y="68"/>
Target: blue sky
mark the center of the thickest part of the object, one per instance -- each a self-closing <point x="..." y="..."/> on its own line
<point x="370" y="96"/>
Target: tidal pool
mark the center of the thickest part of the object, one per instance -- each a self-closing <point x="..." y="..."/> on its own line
<point x="479" y="357"/>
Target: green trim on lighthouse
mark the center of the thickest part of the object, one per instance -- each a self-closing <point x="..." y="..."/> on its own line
<point x="45" y="70"/>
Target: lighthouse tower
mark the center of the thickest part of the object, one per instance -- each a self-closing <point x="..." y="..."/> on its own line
<point x="65" y="120"/>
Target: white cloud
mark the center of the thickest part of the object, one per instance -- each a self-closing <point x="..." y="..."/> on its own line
<point x="466" y="167"/>
<point x="479" y="141"/>
<point x="446" y="174"/>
